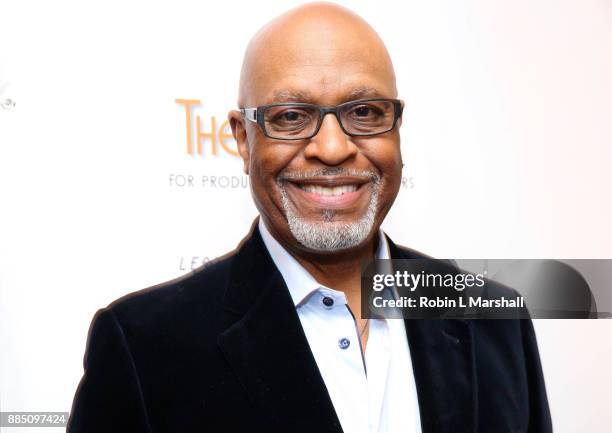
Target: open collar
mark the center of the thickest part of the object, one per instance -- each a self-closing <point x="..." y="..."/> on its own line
<point x="299" y="281"/>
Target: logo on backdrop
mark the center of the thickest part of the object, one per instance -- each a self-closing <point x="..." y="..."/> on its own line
<point x="206" y="136"/>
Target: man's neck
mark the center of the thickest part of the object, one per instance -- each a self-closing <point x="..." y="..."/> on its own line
<point x="340" y="270"/>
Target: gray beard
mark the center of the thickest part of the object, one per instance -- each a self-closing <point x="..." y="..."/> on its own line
<point x="328" y="235"/>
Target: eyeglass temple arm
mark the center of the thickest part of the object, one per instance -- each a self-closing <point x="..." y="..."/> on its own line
<point x="250" y="114"/>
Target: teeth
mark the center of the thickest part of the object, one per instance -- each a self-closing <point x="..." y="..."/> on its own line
<point x="329" y="191"/>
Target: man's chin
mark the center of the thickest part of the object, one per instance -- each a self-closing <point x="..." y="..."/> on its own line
<point x="330" y="236"/>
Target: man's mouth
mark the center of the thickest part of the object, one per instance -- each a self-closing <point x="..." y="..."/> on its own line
<point x="328" y="192"/>
<point x="333" y="191"/>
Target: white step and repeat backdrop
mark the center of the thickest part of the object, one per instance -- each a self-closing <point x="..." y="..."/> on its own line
<point x="107" y="186"/>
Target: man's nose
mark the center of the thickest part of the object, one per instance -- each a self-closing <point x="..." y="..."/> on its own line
<point x="331" y="145"/>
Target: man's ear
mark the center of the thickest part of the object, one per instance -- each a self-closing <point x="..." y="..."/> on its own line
<point x="237" y="123"/>
<point x="399" y="121"/>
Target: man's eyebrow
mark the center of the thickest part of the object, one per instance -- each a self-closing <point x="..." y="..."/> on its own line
<point x="285" y="95"/>
<point x="362" y="92"/>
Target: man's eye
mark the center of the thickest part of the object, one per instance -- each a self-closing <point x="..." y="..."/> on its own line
<point x="365" y="112"/>
<point x="291" y="117"/>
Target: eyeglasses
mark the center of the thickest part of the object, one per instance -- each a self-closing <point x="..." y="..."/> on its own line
<point x="300" y="121"/>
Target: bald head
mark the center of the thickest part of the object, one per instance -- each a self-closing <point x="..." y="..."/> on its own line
<point x="315" y="51"/>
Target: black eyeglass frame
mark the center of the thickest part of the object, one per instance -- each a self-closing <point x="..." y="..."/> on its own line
<point x="256" y="115"/>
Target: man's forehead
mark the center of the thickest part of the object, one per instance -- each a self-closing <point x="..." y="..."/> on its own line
<point x="314" y="93"/>
<point x="323" y="85"/>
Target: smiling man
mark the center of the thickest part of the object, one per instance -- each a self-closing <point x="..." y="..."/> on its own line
<point x="269" y="338"/>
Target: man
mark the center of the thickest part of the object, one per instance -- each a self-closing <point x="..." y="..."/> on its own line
<point x="269" y="338"/>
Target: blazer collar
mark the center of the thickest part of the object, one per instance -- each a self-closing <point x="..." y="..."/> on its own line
<point x="267" y="348"/>
<point x="269" y="353"/>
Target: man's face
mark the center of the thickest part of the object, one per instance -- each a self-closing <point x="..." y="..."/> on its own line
<point x="332" y="191"/>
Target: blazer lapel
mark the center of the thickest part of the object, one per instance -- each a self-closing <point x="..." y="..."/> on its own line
<point x="267" y="348"/>
<point x="444" y="371"/>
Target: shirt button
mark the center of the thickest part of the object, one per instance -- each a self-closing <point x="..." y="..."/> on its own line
<point x="327" y="301"/>
<point x="344" y="343"/>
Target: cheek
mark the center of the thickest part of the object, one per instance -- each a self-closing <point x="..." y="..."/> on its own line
<point x="387" y="158"/>
<point x="391" y="184"/>
<point x="267" y="161"/>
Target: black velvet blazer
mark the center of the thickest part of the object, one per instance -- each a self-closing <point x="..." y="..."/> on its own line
<point x="222" y="350"/>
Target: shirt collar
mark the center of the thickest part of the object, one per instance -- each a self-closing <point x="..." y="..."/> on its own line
<point x="300" y="283"/>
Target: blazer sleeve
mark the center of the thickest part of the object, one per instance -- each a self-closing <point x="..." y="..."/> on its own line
<point x="539" y="412"/>
<point x="109" y="396"/>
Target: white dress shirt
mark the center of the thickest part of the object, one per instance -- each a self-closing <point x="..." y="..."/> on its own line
<point x="382" y="401"/>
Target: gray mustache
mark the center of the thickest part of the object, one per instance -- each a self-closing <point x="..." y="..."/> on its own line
<point x="328" y="171"/>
